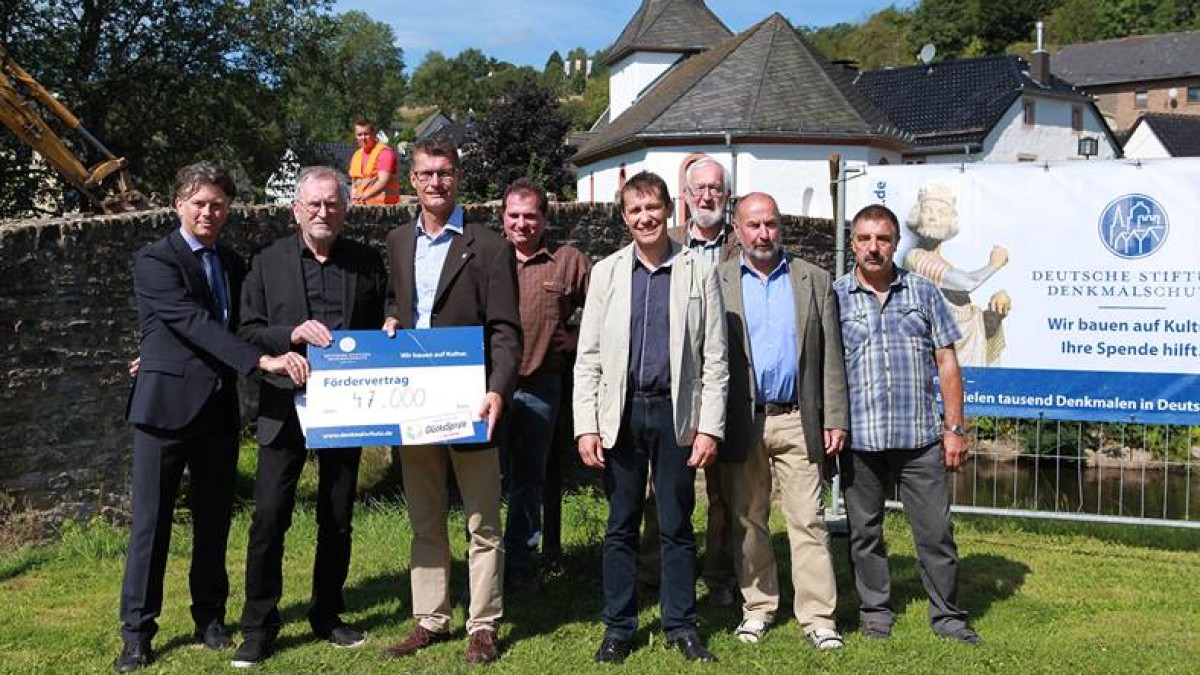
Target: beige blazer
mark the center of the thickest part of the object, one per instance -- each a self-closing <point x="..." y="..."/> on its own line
<point x="699" y="372"/>
<point x="821" y="380"/>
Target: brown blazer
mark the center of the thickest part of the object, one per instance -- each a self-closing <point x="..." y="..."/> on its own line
<point x="822" y="370"/>
<point x="478" y="287"/>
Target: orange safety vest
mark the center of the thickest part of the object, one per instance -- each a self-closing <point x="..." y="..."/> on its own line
<point x="362" y="179"/>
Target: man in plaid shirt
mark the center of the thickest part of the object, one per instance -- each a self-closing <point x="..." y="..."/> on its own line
<point x="898" y="334"/>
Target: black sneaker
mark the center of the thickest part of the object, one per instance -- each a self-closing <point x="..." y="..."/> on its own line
<point x="214" y="636"/>
<point x="135" y="654"/>
<point x="255" y="649"/>
<point x="342" y="635"/>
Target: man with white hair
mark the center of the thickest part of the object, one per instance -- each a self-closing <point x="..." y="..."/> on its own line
<point x="299" y="289"/>
<point x="706" y="232"/>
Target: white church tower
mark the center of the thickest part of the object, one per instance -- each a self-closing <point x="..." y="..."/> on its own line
<point x="660" y="34"/>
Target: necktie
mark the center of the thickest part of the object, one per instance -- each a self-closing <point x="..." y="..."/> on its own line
<point x="216" y="282"/>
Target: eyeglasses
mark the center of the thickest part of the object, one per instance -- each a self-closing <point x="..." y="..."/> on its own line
<point x="430" y="176"/>
<point x="313" y="208"/>
<point x="715" y="190"/>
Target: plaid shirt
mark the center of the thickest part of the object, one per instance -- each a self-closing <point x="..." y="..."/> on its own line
<point x="890" y="367"/>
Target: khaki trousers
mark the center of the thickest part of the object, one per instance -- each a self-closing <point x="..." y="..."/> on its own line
<point x="747" y="486"/>
<point x="478" y="476"/>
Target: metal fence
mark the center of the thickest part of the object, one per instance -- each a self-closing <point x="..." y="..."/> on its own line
<point x="1105" y="472"/>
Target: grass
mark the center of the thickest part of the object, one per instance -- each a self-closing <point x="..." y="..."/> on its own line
<point x="1047" y="598"/>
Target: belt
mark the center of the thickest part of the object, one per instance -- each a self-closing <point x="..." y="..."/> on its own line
<point x="773" y="409"/>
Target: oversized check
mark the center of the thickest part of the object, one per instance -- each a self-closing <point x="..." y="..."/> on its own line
<point x="422" y="386"/>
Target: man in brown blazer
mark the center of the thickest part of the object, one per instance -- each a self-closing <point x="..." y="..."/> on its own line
<point x="787" y="411"/>
<point x="446" y="272"/>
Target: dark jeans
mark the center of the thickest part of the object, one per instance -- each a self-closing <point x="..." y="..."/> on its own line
<point x="921" y="476"/>
<point x="279" y="467"/>
<point x="648" y="438"/>
<point x="207" y="448"/>
<point x="528" y="438"/>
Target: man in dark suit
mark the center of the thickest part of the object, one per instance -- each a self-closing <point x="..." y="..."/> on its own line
<point x="787" y="417"/>
<point x="299" y="289"/>
<point x="184" y="410"/>
<point x="445" y="272"/>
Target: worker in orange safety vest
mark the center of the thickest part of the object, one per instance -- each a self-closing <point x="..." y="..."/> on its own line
<point x="374" y="168"/>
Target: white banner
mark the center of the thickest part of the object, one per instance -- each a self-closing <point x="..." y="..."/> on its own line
<point x="1076" y="284"/>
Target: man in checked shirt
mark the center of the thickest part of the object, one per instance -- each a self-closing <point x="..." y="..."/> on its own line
<point x="898" y="333"/>
<point x="553" y="281"/>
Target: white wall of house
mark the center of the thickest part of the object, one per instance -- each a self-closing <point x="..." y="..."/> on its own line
<point x="631" y="75"/>
<point x="1144" y="144"/>
<point x="796" y="175"/>
<point x="1049" y="139"/>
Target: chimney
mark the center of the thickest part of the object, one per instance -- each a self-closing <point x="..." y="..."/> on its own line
<point x="1039" y="61"/>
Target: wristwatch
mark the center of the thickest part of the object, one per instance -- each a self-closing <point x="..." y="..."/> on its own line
<point x="956" y="429"/>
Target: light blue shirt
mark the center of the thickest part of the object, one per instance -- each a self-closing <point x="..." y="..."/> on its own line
<point x="428" y="261"/>
<point x="770" y="311"/>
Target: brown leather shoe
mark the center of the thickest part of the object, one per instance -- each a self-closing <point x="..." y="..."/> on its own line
<point x="418" y="639"/>
<point x="483" y="647"/>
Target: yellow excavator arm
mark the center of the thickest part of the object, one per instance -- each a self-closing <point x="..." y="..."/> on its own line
<point x="18" y="92"/>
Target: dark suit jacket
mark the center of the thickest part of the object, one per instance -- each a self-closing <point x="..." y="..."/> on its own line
<point x="478" y="287"/>
<point x="822" y="371"/>
<point x="187" y="355"/>
<point x="274" y="301"/>
<point x="729" y="249"/>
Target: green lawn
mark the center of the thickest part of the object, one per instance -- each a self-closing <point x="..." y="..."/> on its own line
<point x="1046" y="597"/>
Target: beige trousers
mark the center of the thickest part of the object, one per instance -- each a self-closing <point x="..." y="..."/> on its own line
<point x="478" y="476"/>
<point x="747" y="486"/>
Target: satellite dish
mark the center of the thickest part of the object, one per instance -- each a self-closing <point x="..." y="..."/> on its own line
<point x="927" y="53"/>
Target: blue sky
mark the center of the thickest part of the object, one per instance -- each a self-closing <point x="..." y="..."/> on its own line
<point x="524" y="32"/>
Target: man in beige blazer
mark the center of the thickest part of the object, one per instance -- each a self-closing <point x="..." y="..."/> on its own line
<point x="650" y="384"/>
<point x="787" y="412"/>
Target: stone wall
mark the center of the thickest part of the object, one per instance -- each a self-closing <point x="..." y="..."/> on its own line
<point x="66" y="306"/>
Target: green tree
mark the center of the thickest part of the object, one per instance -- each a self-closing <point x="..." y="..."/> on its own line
<point x="457" y="86"/>
<point x="832" y="41"/>
<point x="165" y="82"/>
<point x="353" y="69"/>
<point x="555" y="73"/>
<point x="521" y="135"/>
<point x="882" y="40"/>
<point x="946" y="24"/>
<point x="577" y="61"/>
<point x="584" y="110"/>
<point x="975" y="27"/>
<point x="1075" y="21"/>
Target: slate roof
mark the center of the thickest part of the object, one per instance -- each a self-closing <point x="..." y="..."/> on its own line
<point x="431" y="125"/>
<point x="1179" y="134"/>
<point x="954" y="102"/>
<point x="458" y="133"/>
<point x="1132" y="59"/>
<point x="765" y="81"/>
<point x="333" y="154"/>
<point x="682" y="26"/>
